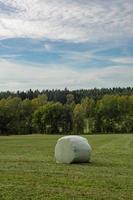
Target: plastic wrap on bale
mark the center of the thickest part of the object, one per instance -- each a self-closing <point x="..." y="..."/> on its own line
<point x="72" y="149"/>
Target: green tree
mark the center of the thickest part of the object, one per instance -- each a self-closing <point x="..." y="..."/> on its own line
<point x="50" y="118"/>
<point x="41" y="100"/>
<point x="114" y="114"/>
<point x="26" y="111"/>
<point x="12" y="106"/>
<point x="78" y="119"/>
<point x="88" y="105"/>
<point x="4" y="120"/>
<point x="67" y="119"/>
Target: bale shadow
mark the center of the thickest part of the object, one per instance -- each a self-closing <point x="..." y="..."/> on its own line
<point x="97" y="163"/>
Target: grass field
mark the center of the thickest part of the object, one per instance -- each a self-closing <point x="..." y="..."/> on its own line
<point x="28" y="170"/>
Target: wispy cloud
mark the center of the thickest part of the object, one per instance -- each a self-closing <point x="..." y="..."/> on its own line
<point x="15" y="76"/>
<point x="123" y="60"/>
<point x="9" y="56"/>
<point x="47" y="47"/>
<point x="65" y="43"/>
<point x="69" y="20"/>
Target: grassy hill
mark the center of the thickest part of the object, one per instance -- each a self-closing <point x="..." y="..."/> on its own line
<point x="28" y="170"/>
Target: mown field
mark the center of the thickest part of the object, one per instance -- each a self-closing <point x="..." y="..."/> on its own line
<point x="28" y="170"/>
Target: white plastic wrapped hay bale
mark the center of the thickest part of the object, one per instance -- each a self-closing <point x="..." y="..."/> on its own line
<point x="72" y="149"/>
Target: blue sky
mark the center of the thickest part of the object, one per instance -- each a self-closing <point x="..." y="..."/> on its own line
<point x="65" y="43"/>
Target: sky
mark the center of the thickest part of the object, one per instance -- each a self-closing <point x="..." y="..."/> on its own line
<point x="57" y="44"/>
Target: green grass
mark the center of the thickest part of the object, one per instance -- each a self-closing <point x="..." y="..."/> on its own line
<point x="28" y="170"/>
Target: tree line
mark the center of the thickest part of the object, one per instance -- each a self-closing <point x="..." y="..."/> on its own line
<point x="111" y="113"/>
<point x="61" y="95"/>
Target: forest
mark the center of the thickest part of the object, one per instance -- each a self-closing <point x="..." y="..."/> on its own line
<point x="67" y="112"/>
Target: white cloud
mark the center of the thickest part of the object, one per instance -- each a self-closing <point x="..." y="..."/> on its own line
<point x="70" y="20"/>
<point x="47" y="47"/>
<point x="123" y="60"/>
<point x="16" y="76"/>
